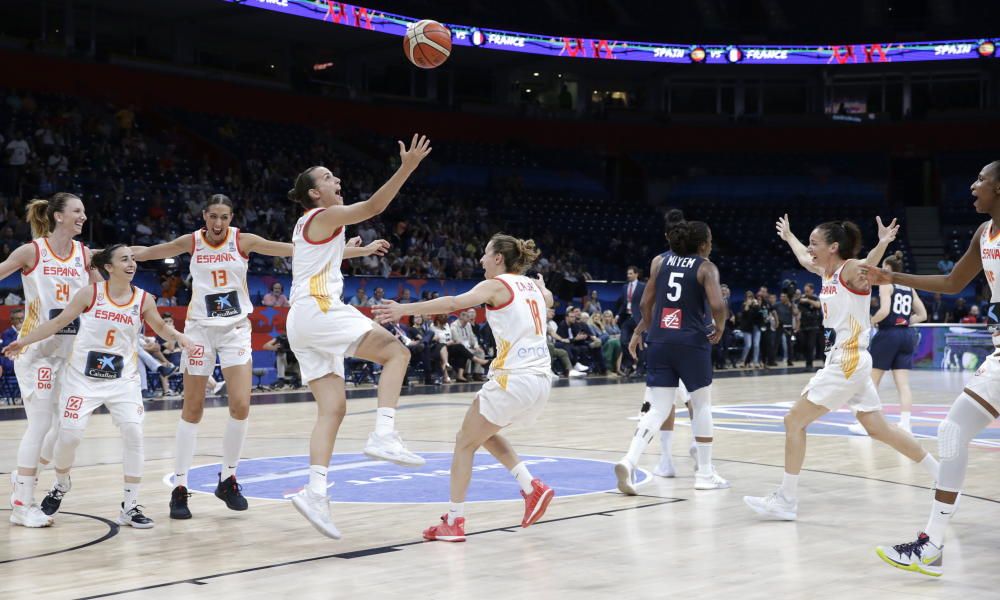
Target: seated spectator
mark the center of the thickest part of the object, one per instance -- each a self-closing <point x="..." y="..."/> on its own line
<point x="611" y="346"/>
<point x="286" y="365"/>
<point x="360" y="298"/>
<point x="972" y="316"/>
<point x="462" y="334"/>
<point x="377" y="298"/>
<point x="412" y="338"/>
<point x="404" y="297"/>
<point x="153" y="360"/>
<point x="961" y="309"/>
<point x="594" y="344"/>
<point x="591" y="304"/>
<point x="276" y="296"/>
<point x="169" y="348"/>
<point x="8" y="336"/>
<point x="558" y="353"/>
<point x="579" y="337"/>
<point x="442" y="335"/>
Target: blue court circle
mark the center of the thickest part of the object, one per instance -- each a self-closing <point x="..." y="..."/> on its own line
<point x="359" y="479"/>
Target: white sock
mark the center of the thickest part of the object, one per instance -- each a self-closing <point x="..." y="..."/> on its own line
<point x="456" y="510"/>
<point x="385" y="420"/>
<point x="232" y="446"/>
<point x="317" y="479"/>
<point x="185" y="441"/>
<point x="642" y="437"/>
<point x="62" y="479"/>
<point x="930" y="464"/>
<point x="131" y="496"/>
<point x="523" y="477"/>
<point x="940" y="516"/>
<point x="790" y="486"/>
<point x="24" y="489"/>
<point x="904" y="419"/>
<point x="665" y="439"/>
<point x="704" y="457"/>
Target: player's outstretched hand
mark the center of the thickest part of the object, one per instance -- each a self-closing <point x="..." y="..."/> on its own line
<point x="387" y="312"/>
<point x="419" y="148"/>
<point x="378" y="247"/>
<point x="875" y="275"/>
<point x="783" y="228"/>
<point x="888" y="232"/>
<point x="354" y="242"/>
<point x="13" y="349"/>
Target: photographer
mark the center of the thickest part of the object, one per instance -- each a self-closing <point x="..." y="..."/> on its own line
<point x="786" y="313"/>
<point x="286" y="363"/>
<point x="811" y="324"/>
<point x="751" y="320"/>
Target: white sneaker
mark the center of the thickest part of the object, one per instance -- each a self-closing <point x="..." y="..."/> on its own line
<point x="665" y="468"/>
<point x="29" y="516"/>
<point x="857" y="429"/>
<point x="575" y="373"/>
<point x="316" y="508"/>
<point x="774" y="506"/>
<point x="219" y="385"/>
<point x="709" y="481"/>
<point x="580" y="367"/>
<point x="625" y="473"/>
<point x="390" y="448"/>
<point x="13" y="487"/>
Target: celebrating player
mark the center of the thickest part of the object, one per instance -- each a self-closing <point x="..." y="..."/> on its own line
<point x="979" y="403"/>
<point x="846" y="376"/>
<point x="519" y="378"/>
<point x="102" y="370"/>
<point x="322" y="330"/>
<point x="53" y="268"/>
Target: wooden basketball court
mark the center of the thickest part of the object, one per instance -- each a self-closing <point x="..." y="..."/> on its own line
<point x="668" y="540"/>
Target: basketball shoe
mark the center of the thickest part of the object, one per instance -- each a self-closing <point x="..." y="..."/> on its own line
<point x="316" y="508"/>
<point x="29" y="516"/>
<point x="231" y="493"/>
<point x="447" y="533"/>
<point x="774" y="506"/>
<point x="921" y="556"/>
<point x="52" y="500"/>
<point x="390" y="448"/>
<point x="133" y="517"/>
<point x="666" y="467"/>
<point x="709" y="481"/>
<point x="179" y="503"/>
<point x="625" y="473"/>
<point x="536" y="502"/>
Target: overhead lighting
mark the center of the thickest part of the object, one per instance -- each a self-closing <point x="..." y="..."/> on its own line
<point x="536" y="73"/>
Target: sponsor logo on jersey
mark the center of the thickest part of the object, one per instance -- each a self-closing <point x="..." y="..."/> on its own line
<point x="44" y="374"/>
<point x="73" y="405"/>
<point x="991" y="253"/>
<point x="541" y="351"/>
<point x="671" y="318"/>
<point x="198" y="352"/>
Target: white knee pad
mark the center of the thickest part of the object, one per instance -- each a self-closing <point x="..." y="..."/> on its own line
<point x="132" y="450"/>
<point x="39" y="423"/>
<point x="660" y="401"/>
<point x="949" y="439"/>
<point x="965" y="419"/>
<point x="65" y="449"/>
<point x="701" y="406"/>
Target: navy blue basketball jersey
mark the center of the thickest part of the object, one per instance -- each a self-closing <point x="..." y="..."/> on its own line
<point x="900" y="307"/>
<point x="679" y="313"/>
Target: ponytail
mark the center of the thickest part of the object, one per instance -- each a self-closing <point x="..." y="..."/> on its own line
<point x="895" y="262"/>
<point x="102" y="259"/>
<point x="518" y="255"/>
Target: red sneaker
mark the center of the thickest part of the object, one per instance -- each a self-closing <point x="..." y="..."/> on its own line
<point x="445" y="532"/>
<point x="536" y="503"/>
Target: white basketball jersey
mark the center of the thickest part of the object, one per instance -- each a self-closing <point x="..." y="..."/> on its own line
<point x="989" y="253"/>
<point x="48" y="288"/>
<point x="316" y="265"/>
<point x="519" y="329"/>
<point x="107" y="344"/>
<point x="846" y="311"/>
<point x="219" y="281"/>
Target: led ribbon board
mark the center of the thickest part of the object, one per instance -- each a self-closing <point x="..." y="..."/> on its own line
<point x="352" y="15"/>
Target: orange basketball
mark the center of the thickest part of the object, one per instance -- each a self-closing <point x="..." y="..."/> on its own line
<point x="427" y="44"/>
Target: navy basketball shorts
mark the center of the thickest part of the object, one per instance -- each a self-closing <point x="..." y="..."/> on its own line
<point x="892" y="348"/>
<point x="669" y="364"/>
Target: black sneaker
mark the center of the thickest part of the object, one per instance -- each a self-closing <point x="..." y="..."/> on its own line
<point x="134" y="518"/>
<point x="231" y="493"/>
<point x="52" y="500"/>
<point x="179" y="503"/>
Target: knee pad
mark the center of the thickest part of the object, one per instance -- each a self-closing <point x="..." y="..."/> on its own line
<point x="28" y="451"/>
<point x="701" y="407"/>
<point x="66" y="445"/>
<point x="949" y="440"/>
<point x="132" y="455"/>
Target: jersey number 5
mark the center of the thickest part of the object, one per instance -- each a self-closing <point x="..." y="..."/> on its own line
<point x="219" y="278"/>
<point x="674" y="285"/>
<point x="536" y="315"/>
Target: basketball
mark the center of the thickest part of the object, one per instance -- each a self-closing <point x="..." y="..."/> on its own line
<point x="427" y="44"/>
